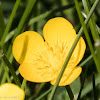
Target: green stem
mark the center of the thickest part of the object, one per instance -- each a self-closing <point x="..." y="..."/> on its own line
<point x="21" y="23"/>
<point x="2" y="25"/>
<point x="9" y="36"/>
<point x="86" y="60"/>
<point x="24" y="17"/>
<point x="89" y="87"/>
<point x="36" y="19"/>
<point x="6" y="72"/>
<point x="81" y="65"/>
<point x="86" y="33"/>
<point x="3" y="79"/>
<point x="97" y="46"/>
<point x="23" y="84"/>
<point x="70" y="93"/>
<point x="94" y="88"/>
<point x="92" y="23"/>
<point x="71" y="51"/>
<point x="2" y="55"/>
<point x="1" y="68"/>
<point x="44" y="94"/>
<point x="98" y="29"/>
<point x="83" y="81"/>
<point x="10" y="22"/>
<point x="5" y="75"/>
<point x="17" y="73"/>
<point x="38" y="91"/>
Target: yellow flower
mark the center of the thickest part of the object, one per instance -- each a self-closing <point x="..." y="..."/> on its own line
<point x="9" y="91"/>
<point x="42" y="59"/>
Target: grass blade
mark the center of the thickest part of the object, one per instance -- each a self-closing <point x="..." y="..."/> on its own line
<point x="82" y="85"/>
<point x="92" y="23"/>
<point x="2" y="25"/>
<point x="71" y="51"/>
<point x="44" y="94"/>
<point x="24" y="17"/>
<point x="86" y="33"/>
<point x="94" y="88"/>
<point x="70" y="93"/>
<point x="11" y="69"/>
<point x="23" y="84"/>
<point x="10" y="22"/>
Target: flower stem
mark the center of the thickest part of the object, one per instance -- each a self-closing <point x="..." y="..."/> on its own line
<point x="2" y="25"/>
<point x="23" y="84"/>
<point x="92" y="23"/>
<point x="44" y="94"/>
<point x="82" y="84"/>
<point x="71" y="51"/>
<point x="10" y="22"/>
<point x="24" y="17"/>
<point x="86" y="33"/>
<point x="17" y="81"/>
<point x="70" y="93"/>
<point x="95" y="93"/>
<point x="87" y="60"/>
<point x="39" y="89"/>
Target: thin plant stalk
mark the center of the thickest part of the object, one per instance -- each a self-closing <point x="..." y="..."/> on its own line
<point x="39" y="89"/>
<point x="44" y="94"/>
<point x="24" y="17"/>
<point x="2" y="24"/>
<point x="86" y="34"/>
<point x="69" y="91"/>
<point x="23" y="84"/>
<point x="81" y="65"/>
<point x="7" y="30"/>
<point x="82" y="84"/>
<point x="92" y="23"/>
<point x="20" y="26"/>
<point x="11" y="69"/>
<point x="6" y="75"/>
<point x="94" y="88"/>
<point x="10" y="22"/>
<point x="71" y="51"/>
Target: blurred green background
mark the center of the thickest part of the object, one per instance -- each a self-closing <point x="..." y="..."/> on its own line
<point x="42" y="11"/>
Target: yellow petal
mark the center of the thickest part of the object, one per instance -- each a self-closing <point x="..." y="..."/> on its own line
<point x="69" y="76"/>
<point x="26" y="46"/>
<point x="81" y="50"/>
<point x="58" y="30"/>
<point x="78" y="53"/>
<point x="34" y="73"/>
<point x="9" y="91"/>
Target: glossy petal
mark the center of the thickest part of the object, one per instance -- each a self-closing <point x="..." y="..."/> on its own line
<point x="11" y="91"/>
<point x="34" y="73"/>
<point x="68" y="77"/>
<point x="58" y="30"/>
<point x="81" y="50"/>
<point x="42" y="61"/>
<point x="78" y="53"/>
<point x="27" y="46"/>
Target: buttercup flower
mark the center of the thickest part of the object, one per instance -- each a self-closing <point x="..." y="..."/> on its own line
<point x="9" y="91"/>
<point x="42" y="59"/>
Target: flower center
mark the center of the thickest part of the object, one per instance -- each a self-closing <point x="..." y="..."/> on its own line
<point x="53" y="57"/>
